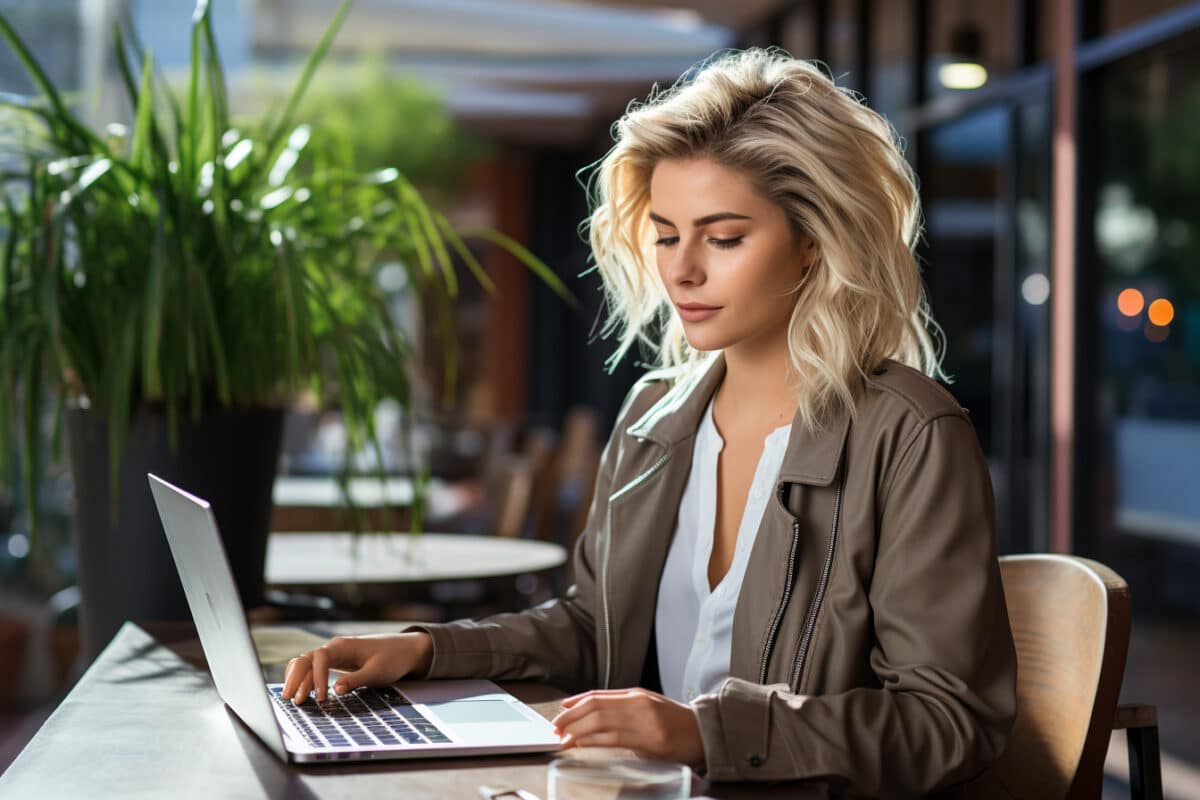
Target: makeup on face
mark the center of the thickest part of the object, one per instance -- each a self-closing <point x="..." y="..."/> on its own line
<point x="724" y="253"/>
<point x="691" y="311"/>
<point x="695" y="312"/>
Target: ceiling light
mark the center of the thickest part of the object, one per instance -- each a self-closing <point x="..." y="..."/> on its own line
<point x="964" y="70"/>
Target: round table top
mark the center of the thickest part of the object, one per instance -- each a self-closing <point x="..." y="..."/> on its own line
<point x="324" y="490"/>
<point x="317" y="558"/>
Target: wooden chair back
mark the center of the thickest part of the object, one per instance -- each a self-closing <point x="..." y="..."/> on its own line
<point x="514" y="497"/>
<point x="567" y="482"/>
<point x="1070" y="621"/>
<point x="580" y="439"/>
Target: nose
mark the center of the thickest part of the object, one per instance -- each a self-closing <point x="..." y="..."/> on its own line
<point x="681" y="266"/>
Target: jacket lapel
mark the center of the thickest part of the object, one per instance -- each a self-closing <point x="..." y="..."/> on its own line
<point x="800" y="517"/>
<point x="642" y="514"/>
<point x="642" y="518"/>
<point x="811" y="457"/>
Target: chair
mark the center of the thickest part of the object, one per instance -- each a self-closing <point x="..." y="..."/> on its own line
<point x="510" y="514"/>
<point x="566" y="483"/>
<point x="1070" y="619"/>
<point x="491" y="488"/>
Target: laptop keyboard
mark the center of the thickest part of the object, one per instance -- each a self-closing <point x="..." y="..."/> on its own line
<point x="366" y="717"/>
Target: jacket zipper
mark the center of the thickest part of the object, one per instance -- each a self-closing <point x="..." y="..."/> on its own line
<point x="818" y="597"/>
<point x="608" y="653"/>
<point x="777" y="618"/>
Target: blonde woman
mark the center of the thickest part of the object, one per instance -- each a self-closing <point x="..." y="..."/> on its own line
<point x="789" y="569"/>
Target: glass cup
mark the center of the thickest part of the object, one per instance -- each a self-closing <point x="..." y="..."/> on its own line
<point x="574" y="778"/>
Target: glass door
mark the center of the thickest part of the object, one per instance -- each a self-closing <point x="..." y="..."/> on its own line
<point x="985" y="186"/>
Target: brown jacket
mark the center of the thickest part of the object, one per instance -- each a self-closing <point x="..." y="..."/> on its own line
<point x="871" y="644"/>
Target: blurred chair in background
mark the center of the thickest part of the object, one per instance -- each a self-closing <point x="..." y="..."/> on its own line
<point x="563" y="507"/>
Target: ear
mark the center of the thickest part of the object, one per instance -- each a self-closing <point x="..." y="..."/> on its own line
<point x="811" y="252"/>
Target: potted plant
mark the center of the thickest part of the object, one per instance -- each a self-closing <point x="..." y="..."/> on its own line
<point x="172" y="283"/>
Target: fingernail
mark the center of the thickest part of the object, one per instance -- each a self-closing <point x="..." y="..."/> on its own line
<point x="340" y="688"/>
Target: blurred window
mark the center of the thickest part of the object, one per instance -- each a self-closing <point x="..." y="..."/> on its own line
<point x="1118" y="14"/>
<point x="843" y="43"/>
<point x="1146" y="239"/>
<point x="52" y="30"/>
<point x="962" y="222"/>
<point x="891" y="57"/>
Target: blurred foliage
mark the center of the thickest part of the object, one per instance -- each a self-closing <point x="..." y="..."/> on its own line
<point x="186" y="262"/>
<point x="390" y="119"/>
<point x="1151" y="144"/>
<point x="1147" y="165"/>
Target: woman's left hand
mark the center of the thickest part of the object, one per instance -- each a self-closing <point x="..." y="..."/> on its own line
<point x="638" y="719"/>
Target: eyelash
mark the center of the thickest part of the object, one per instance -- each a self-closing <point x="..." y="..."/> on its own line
<point x="724" y="244"/>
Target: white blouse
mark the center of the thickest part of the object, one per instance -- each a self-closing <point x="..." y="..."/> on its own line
<point x="694" y="626"/>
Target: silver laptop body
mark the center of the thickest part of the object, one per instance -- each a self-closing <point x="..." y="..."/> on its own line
<point x="409" y="719"/>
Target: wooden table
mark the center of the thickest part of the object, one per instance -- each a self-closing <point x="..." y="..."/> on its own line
<point x="309" y="559"/>
<point x="315" y="503"/>
<point x="146" y="721"/>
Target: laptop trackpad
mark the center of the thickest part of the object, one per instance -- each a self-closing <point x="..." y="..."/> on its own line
<point x="470" y="712"/>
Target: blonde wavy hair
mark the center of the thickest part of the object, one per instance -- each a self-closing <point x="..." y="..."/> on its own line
<point x="836" y="169"/>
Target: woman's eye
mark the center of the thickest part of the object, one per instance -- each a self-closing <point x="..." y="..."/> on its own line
<point x="722" y="243"/>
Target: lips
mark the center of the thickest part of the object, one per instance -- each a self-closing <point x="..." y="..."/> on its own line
<point x="696" y="312"/>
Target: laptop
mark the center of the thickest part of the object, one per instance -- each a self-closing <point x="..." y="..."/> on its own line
<point x="408" y="719"/>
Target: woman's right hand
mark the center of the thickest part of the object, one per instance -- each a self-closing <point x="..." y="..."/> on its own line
<point x="367" y="661"/>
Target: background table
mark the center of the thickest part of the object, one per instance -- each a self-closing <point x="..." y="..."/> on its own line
<point x="314" y="503"/>
<point x="332" y="558"/>
<point x="145" y="721"/>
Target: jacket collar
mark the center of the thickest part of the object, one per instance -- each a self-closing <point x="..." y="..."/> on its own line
<point x="810" y="458"/>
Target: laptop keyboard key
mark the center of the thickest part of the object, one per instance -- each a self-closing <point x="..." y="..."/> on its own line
<point x="367" y="717"/>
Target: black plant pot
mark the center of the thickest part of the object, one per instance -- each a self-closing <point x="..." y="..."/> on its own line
<point x="124" y="567"/>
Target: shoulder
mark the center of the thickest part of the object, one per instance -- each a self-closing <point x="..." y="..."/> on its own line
<point x="903" y="411"/>
<point x="651" y="387"/>
<point x="898" y="404"/>
<point x="895" y="392"/>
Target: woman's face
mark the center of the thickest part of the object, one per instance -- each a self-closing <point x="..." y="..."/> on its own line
<point x="727" y="255"/>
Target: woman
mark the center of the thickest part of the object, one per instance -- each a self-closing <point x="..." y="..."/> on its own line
<point x="788" y="570"/>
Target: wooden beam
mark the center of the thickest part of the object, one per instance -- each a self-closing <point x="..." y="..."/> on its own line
<point x="506" y="342"/>
<point x="1062" y="278"/>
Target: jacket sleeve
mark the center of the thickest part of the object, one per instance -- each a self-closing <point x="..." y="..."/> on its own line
<point x="554" y="641"/>
<point x="943" y="650"/>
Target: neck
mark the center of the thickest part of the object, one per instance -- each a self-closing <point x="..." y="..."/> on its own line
<point x="758" y="383"/>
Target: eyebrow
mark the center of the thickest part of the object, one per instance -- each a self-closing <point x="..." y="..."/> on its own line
<point x="702" y="221"/>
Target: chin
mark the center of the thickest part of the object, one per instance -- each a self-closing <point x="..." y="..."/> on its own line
<point x="705" y="342"/>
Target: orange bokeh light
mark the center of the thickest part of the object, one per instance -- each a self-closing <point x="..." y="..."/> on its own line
<point x="1130" y="302"/>
<point x="1161" y="312"/>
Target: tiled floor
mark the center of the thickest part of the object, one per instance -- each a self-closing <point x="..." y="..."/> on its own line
<point x="1162" y="670"/>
